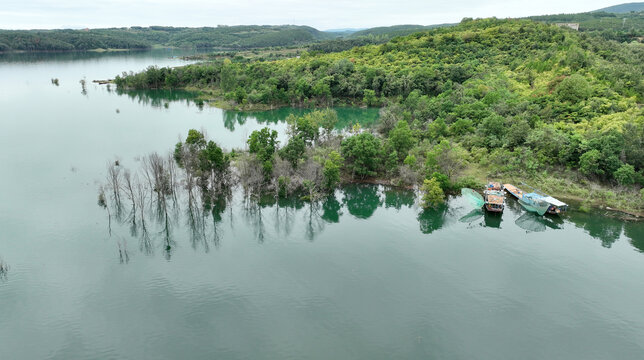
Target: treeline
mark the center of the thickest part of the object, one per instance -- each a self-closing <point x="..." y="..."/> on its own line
<point x="619" y="27"/>
<point x="233" y="37"/>
<point x="509" y="96"/>
<point x="388" y="32"/>
<point x="67" y="40"/>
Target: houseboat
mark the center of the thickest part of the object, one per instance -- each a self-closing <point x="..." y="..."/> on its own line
<point x="494" y="197"/>
<point x="530" y="201"/>
<point x="536" y="201"/>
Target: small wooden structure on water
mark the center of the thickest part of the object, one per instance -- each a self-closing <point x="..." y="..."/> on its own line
<point x="494" y="197"/>
<point x="536" y="200"/>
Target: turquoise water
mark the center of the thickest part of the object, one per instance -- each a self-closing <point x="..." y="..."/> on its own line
<point x="364" y="274"/>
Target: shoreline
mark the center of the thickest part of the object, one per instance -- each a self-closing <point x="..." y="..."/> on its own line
<point x="214" y="98"/>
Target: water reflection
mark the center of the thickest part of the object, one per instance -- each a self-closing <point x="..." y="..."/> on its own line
<point x="347" y="116"/>
<point x="472" y="216"/>
<point x="160" y="97"/>
<point x="604" y="228"/>
<point x="635" y="232"/>
<point x="160" y="221"/>
<point x="493" y="220"/>
<point x="397" y="198"/>
<point x="531" y="222"/>
<point x="331" y="209"/>
<point x="432" y="219"/>
<point x="362" y="200"/>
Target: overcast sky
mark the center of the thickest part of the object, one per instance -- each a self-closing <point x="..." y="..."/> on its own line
<point x="325" y="14"/>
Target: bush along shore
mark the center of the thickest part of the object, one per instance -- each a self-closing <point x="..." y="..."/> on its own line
<point x="486" y="99"/>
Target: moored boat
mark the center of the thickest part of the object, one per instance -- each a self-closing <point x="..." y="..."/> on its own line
<point x="555" y="206"/>
<point x="530" y="201"/>
<point x="494" y="197"/>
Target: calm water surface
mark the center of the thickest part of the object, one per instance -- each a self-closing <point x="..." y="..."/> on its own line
<point x="363" y="274"/>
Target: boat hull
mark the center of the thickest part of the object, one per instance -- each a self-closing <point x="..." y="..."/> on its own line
<point x="489" y="208"/>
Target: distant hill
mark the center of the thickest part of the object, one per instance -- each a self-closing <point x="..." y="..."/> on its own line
<point x="243" y="36"/>
<point x="389" y="32"/>
<point x="344" y="31"/>
<point x="624" y="27"/>
<point x="623" y="8"/>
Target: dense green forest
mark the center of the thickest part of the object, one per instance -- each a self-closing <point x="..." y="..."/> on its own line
<point x="505" y="97"/>
<point x="389" y="32"/>
<point x="233" y="37"/>
<point x="620" y="27"/>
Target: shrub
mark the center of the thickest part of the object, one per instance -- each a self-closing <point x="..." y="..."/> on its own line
<point x="432" y="193"/>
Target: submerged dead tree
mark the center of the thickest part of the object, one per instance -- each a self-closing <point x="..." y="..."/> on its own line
<point x="197" y="174"/>
<point x="4" y="270"/>
<point x="114" y="184"/>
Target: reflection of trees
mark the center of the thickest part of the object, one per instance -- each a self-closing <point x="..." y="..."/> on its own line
<point x="635" y="232"/>
<point x="152" y="200"/>
<point x="314" y="221"/>
<point x="285" y="208"/>
<point x="347" y="117"/>
<point x="361" y="200"/>
<point x="331" y="209"/>
<point x="253" y="214"/>
<point x="232" y="118"/>
<point x="432" y="219"/>
<point x="603" y="228"/>
<point x="158" y="97"/>
<point x="398" y="198"/>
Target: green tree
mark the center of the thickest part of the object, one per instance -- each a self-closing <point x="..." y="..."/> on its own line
<point x="331" y="170"/>
<point x="370" y="98"/>
<point x="327" y="120"/>
<point x="443" y="180"/>
<point x="589" y="163"/>
<point x="574" y="89"/>
<point x="625" y="175"/>
<point x="433" y="195"/>
<point x="437" y="129"/>
<point x="213" y="158"/>
<point x="410" y="161"/>
<point x="402" y="138"/>
<point x="294" y="150"/>
<point x="195" y="139"/>
<point x="447" y="158"/>
<point x="263" y="143"/>
<point x="362" y="154"/>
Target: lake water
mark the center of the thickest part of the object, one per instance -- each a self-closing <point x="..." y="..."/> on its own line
<point x="363" y="274"/>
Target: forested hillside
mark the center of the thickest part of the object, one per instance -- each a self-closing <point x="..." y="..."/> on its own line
<point x="372" y="36"/>
<point x="620" y="27"/>
<point x="512" y="96"/>
<point x="393" y="31"/>
<point x="623" y="8"/>
<point x="233" y="37"/>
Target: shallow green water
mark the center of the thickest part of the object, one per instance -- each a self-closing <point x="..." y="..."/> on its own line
<point x="364" y="274"/>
